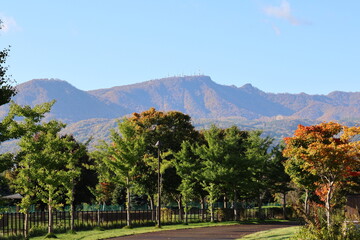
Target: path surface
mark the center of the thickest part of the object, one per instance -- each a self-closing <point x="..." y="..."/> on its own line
<point x="208" y="233"/>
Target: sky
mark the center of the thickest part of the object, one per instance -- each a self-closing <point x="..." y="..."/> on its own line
<point x="279" y="46"/>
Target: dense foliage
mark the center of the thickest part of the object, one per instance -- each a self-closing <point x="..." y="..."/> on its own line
<point x="322" y="160"/>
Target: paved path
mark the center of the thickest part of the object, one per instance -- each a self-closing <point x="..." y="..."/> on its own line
<point x="206" y="233"/>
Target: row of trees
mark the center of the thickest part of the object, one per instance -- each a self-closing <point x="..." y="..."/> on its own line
<point x="52" y="168"/>
<point x="202" y="166"/>
<point x="195" y="165"/>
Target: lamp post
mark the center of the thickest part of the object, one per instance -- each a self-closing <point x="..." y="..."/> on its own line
<point x="159" y="187"/>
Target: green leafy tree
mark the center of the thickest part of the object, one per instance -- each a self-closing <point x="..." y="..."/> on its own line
<point x="121" y="157"/>
<point x="303" y="180"/>
<point x="88" y="176"/>
<point x="279" y="180"/>
<point x="170" y="129"/>
<point x="259" y="155"/>
<point x="235" y="163"/>
<point x="212" y="155"/>
<point x="73" y="167"/>
<point x="7" y="91"/>
<point x="46" y="167"/>
<point x="188" y="168"/>
<point x="27" y="123"/>
<point x="47" y="161"/>
<point x="224" y="163"/>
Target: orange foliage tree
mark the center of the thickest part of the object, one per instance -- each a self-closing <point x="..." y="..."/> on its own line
<point x="328" y="151"/>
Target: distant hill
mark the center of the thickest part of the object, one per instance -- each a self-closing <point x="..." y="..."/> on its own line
<point x="71" y="105"/>
<point x="197" y="96"/>
<point x="92" y="113"/>
<point x="200" y="97"/>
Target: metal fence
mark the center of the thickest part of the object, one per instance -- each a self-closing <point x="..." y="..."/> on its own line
<point x="13" y="223"/>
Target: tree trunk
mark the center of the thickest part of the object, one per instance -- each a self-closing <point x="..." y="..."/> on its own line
<point x="235" y="207"/>
<point x="202" y="208"/>
<point x="98" y="215"/>
<point x="261" y="217"/>
<point x="26" y="225"/>
<point x="72" y="213"/>
<point x="50" y="218"/>
<point x="128" y="216"/>
<point x="306" y="202"/>
<point x="180" y="209"/>
<point x="186" y="212"/>
<point x="72" y="210"/>
<point x="159" y="190"/>
<point x="328" y="205"/>
<point x="212" y="214"/>
<point x="284" y="205"/>
<point x="152" y="208"/>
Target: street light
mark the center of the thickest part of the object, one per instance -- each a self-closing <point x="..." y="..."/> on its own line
<point x="159" y="187"/>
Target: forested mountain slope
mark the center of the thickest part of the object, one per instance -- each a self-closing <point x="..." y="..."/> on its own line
<point x="92" y="113"/>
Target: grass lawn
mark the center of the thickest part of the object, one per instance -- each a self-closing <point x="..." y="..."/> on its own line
<point x="97" y="234"/>
<point x="274" y="234"/>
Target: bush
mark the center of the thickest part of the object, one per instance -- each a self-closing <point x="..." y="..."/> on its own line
<point x="339" y="230"/>
<point x="224" y="214"/>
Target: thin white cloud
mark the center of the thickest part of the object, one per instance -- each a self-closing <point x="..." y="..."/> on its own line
<point x="276" y="29"/>
<point x="8" y="24"/>
<point x="282" y="12"/>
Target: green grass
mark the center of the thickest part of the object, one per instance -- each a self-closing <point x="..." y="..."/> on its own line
<point x="274" y="234"/>
<point x="97" y="234"/>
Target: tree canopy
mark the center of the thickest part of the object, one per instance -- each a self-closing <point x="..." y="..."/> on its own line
<point x="328" y="151"/>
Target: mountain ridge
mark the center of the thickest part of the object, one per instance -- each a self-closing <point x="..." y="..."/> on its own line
<point x="92" y="113"/>
<point x="198" y="96"/>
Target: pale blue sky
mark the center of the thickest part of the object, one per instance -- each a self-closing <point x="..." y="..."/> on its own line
<point x="276" y="45"/>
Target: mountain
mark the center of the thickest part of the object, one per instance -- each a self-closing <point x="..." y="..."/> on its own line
<point x="197" y="96"/>
<point x="332" y="107"/>
<point x="93" y="113"/>
<point x="200" y="97"/>
<point x="71" y="105"/>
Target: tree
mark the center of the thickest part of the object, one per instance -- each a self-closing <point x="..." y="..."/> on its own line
<point x="7" y="91"/>
<point x="170" y="129"/>
<point x="258" y="155"/>
<point x="121" y="157"/>
<point x="236" y="164"/>
<point x="28" y="124"/>
<point x="212" y="155"/>
<point x="188" y="168"/>
<point x="88" y="176"/>
<point x="279" y="179"/>
<point x="224" y="159"/>
<point x="77" y="152"/>
<point x="328" y="151"/>
<point x="48" y="162"/>
<point x="304" y="180"/>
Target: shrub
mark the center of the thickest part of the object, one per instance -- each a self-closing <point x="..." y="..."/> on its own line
<point x="339" y="230"/>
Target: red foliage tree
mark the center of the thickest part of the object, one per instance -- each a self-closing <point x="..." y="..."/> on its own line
<point x="328" y="151"/>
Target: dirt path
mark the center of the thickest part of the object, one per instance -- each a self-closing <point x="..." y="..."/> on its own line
<point x="208" y="233"/>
